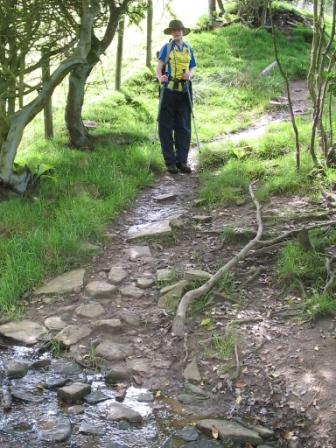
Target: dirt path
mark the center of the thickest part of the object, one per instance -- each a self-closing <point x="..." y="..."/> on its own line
<point x="281" y="375"/>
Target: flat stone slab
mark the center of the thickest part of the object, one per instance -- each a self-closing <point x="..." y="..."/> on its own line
<point x="138" y="364"/>
<point x="17" y="369"/>
<point x="25" y="331"/>
<point x="117" y="411"/>
<point x="117" y="374"/>
<point x="136" y="252"/>
<point x="197" y="275"/>
<point x="188" y="434"/>
<point x="91" y="429"/>
<point x="192" y="373"/>
<point x="73" y="393"/>
<point x="72" y="334"/>
<point x="171" y="295"/>
<point x="152" y="229"/>
<point x="145" y="282"/>
<point x="117" y="274"/>
<point x="90" y="310"/>
<point x="164" y="275"/>
<point x="26" y="395"/>
<point x="56" y="429"/>
<point x="54" y="323"/>
<point x="145" y="397"/>
<point x="230" y="431"/>
<point x="202" y="218"/>
<point x="67" y="282"/>
<point x="96" y="397"/>
<point x="100" y="290"/>
<point x="113" y="351"/>
<point x="110" y="325"/>
<point x="55" y="383"/>
<point x="165" y="197"/>
<point x="132" y="291"/>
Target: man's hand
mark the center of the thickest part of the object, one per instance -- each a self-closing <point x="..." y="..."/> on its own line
<point x="163" y="79"/>
<point x="187" y="76"/>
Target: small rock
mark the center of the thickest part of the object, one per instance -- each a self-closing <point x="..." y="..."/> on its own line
<point x="26" y="395"/>
<point x="192" y="373"/>
<point x="72" y="334"/>
<point x="117" y="375"/>
<point x="196" y="390"/>
<point x="138" y="364"/>
<point x="54" y="323"/>
<point x="113" y="351"/>
<point x="152" y="229"/>
<point x="145" y="283"/>
<point x="57" y="430"/>
<point x="43" y="363"/>
<point x="165" y="197"/>
<point x="74" y="393"/>
<point x="68" y="282"/>
<point x="95" y="397"/>
<point x="100" y="290"/>
<point x="25" y="331"/>
<point x="54" y="383"/>
<point x="90" y="310"/>
<point x="202" y="218"/>
<point x="204" y="444"/>
<point x="136" y="252"/>
<point x="145" y="397"/>
<point x="168" y="443"/>
<point x="129" y="317"/>
<point x="117" y="274"/>
<point x="117" y="411"/>
<point x="91" y="429"/>
<point x="76" y="409"/>
<point x="171" y="295"/>
<point x="132" y="291"/>
<point x="188" y="434"/>
<point x="17" y="369"/>
<point x="64" y="368"/>
<point x="197" y="275"/>
<point x="109" y="325"/>
<point x="186" y="398"/>
<point x="164" y="275"/>
<point x="230" y="431"/>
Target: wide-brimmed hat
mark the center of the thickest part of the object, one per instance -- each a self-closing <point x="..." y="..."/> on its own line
<point x="176" y="25"/>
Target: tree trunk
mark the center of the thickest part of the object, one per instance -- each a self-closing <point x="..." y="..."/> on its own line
<point x="48" y="117"/>
<point x="212" y="8"/>
<point x="121" y="30"/>
<point x="149" y="33"/>
<point x="78" y="134"/>
<point x="221" y="7"/>
<point x="12" y="136"/>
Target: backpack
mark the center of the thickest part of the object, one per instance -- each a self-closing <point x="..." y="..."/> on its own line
<point x="169" y="50"/>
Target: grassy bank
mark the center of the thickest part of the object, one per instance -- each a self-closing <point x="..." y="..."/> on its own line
<point x="42" y="233"/>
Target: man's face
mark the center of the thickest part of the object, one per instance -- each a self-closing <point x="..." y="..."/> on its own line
<point x="177" y="34"/>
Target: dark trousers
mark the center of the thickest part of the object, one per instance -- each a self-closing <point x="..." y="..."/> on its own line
<point x="174" y="126"/>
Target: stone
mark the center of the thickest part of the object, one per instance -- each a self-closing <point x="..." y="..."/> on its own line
<point x="145" y="397"/>
<point x="108" y="325"/>
<point x="42" y="363"/>
<point x="113" y="351"/>
<point x="145" y="282"/>
<point x="90" y="310"/>
<point x="96" y="397"/>
<point x="230" y="431"/>
<point x="73" y="393"/>
<point x="65" y="368"/>
<point x="192" y="373"/>
<point x="100" y="290"/>
<point x="72" y="334"/>
<point x="164" y="275"/>
<point x="197" y="275"/>
<point x="91" y="429"/>
<point x="54" y="430"/>
<point x="54" y="383"/>
<point x="54" y="323"/>
<point x="75" y="409"/>
<point x="165" y="197"/>
<point x="187" y="398"/>
<point x="168" y="443"/>
<point x="138" y="364"/>
<point x="129" y="317"/>
<point x="68" y="282"/>
<point x="152" y="229"/>
<point x="117" y="374"/>
<point x="132" y="291"/>
<point x="188" y="434"/>
<point x="115" y="445"/>
<point x="26" y="395"/>
<point x="117" y="274"/>
<point x="204" y="444"/>
<point x="196" y="390"/>
<point x="117" y="411"/>
<point x="16" y="369"/>
<point x="136" y="252"/>
<point x="172" y="294"/>
<point x="202" y="218"/>
<point x="25" y="332"/>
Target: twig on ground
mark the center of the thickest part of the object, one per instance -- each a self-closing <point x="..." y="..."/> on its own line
<point x="179" y="321"/>
<point x="246" y="321"/>
<point x="237" y="374"/>
<point x="185" y="345"/>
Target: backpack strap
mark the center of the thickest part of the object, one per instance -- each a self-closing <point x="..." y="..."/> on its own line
<point x="170" y="47"/>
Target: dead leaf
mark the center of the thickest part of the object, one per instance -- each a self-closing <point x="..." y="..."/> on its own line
<point x="215" y="432"/>
<point x="240" y="384"/>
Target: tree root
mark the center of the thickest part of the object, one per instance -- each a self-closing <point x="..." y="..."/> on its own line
<point x="190" y="296"/>
<point x="331" y="275"/>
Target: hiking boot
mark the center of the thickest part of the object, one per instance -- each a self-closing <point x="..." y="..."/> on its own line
<point x="183" y="167"/>
<point x="172" y="169"/>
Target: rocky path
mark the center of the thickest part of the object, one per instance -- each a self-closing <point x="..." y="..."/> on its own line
<point x="94" y="363"/>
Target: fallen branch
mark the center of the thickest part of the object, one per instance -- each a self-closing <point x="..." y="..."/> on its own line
<point x="292" y="233"/>
<point x="179" y="321"/>
<point x="237" y="374"/>
<point x="331" y="275"/>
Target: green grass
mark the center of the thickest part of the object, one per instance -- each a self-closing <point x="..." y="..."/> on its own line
<point x="320" y="305"/>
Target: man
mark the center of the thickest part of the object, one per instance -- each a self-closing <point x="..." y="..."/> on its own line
<point x="174" y="71"/>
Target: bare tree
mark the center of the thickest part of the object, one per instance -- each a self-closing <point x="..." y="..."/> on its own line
<point x="149" y="33"/>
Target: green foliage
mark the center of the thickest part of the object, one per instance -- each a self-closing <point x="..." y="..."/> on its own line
<point x="223" y="346"/>
<point x="320" y="305"/>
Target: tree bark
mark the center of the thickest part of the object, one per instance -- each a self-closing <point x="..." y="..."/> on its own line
<point x="121" y="30"/>
<point x="48" y="117"/>
<point x="212" y="8"/>
<point x="149" y="33"/>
